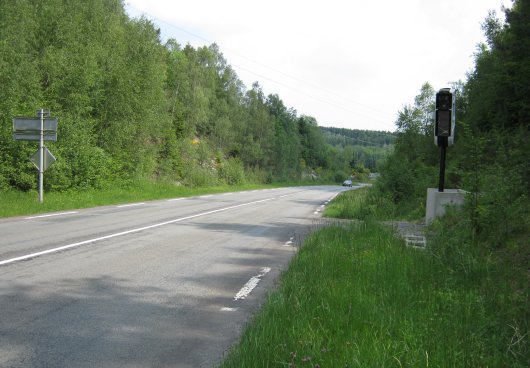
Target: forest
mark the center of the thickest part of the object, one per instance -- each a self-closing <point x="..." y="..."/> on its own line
<point x="368" y="149"/>
<point x="490" y="155"/>
<point x="131" y="107"/>
<point x="486" y="241"/>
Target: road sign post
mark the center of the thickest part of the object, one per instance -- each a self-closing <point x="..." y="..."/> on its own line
<point x="43" y="128"/>
<point x="41" y="158"/>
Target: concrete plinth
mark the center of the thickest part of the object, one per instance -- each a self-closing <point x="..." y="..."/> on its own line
<point x="438" y="201"/>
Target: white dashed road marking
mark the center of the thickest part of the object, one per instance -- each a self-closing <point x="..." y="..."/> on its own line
<point x="289" y="242"/>
<point x="130" y="205"/>
<point x="51" y="215"/>
<point x="251" y="284"/>
<point x="228" y="309"/>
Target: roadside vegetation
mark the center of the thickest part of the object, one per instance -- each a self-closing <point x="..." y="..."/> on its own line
<point x="358" y="297"/>
<point x="140" y="119"/>
<point x="17" y="203"/>
<point x="134" y="108"/>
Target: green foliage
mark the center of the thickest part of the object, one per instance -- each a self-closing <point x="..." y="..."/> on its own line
<point x="356" y="296"/>
<point x="483" y="247"/>
<point x="129" y="106"/>
<point x="499" y="275"/>
<point x="481" y="252"/>
<point x="314" y="149"/>
<point x="498" y="88"/>
<point x="362" y="204"/>
<point x="232" y="172"/>
<point x="411" y="168"/>
<point x="366" y="138"/>
<point x="360" y="147"/>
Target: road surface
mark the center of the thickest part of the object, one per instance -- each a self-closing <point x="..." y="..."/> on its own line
<point x="168" y="283"/>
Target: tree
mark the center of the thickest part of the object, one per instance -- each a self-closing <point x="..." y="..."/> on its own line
<point x="287" y="150"/>
<point x="130" y="107"/>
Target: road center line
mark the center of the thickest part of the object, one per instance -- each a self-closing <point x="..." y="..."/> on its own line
<point x="94" y="240"/>
<point x="51" y="215"/>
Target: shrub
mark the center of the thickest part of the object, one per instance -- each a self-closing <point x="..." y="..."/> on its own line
<point x="232" y="172"/>
<point x="200" y="176"/>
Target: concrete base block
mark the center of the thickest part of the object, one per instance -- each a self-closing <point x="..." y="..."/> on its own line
<point x="437" y="202"/>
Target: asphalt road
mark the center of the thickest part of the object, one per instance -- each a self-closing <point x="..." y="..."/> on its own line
<point x="166" y="283"/>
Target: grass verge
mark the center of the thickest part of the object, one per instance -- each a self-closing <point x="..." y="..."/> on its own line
<point x="358" y="297"/>
<point x="360" y="204"/>
<point x="16" y="203"/>
<point x="371" y="202"/>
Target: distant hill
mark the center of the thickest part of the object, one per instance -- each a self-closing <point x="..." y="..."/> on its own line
<point x="363" y="148"/>
<point x="343" y="137"/>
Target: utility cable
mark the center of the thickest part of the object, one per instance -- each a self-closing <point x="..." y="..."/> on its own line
<point x="313" y="85"/>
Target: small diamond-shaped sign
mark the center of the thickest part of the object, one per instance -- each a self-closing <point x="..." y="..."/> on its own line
<point x="48" y="159"/>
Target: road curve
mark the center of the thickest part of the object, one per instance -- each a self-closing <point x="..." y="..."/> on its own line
<point x="167" y="283"/>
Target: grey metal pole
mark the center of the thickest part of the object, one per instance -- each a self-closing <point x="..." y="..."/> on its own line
<point x="443" y="142"/>
<point x="441" y="182"/>
<point x="41" y="157"/>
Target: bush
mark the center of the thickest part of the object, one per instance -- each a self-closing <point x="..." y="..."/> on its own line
<point x="232" y="171"/>
<point x="200" y="176"/>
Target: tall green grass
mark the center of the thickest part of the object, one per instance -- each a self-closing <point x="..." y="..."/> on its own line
<point x="361" y="204"/>
<point x="357" y="297"/>
<point x="371" y="203"/>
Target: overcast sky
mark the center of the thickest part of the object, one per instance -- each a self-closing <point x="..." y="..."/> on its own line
<point x="351" y="64"/>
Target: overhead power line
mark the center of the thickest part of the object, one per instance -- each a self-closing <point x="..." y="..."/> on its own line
<point x="369" y="115"/>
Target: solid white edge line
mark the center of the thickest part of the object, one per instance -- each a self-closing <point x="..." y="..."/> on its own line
<point x="50" y="215"/>
<point x="251" y="284"/>
<point x="64" y="247"/>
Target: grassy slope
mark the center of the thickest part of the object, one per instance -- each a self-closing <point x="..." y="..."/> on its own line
<point x="358" y="297"/>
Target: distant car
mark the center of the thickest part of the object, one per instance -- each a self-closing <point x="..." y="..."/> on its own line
<point x="347" y="183"/>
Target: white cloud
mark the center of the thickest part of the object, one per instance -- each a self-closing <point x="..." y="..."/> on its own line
<point x="351" y="64"/>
